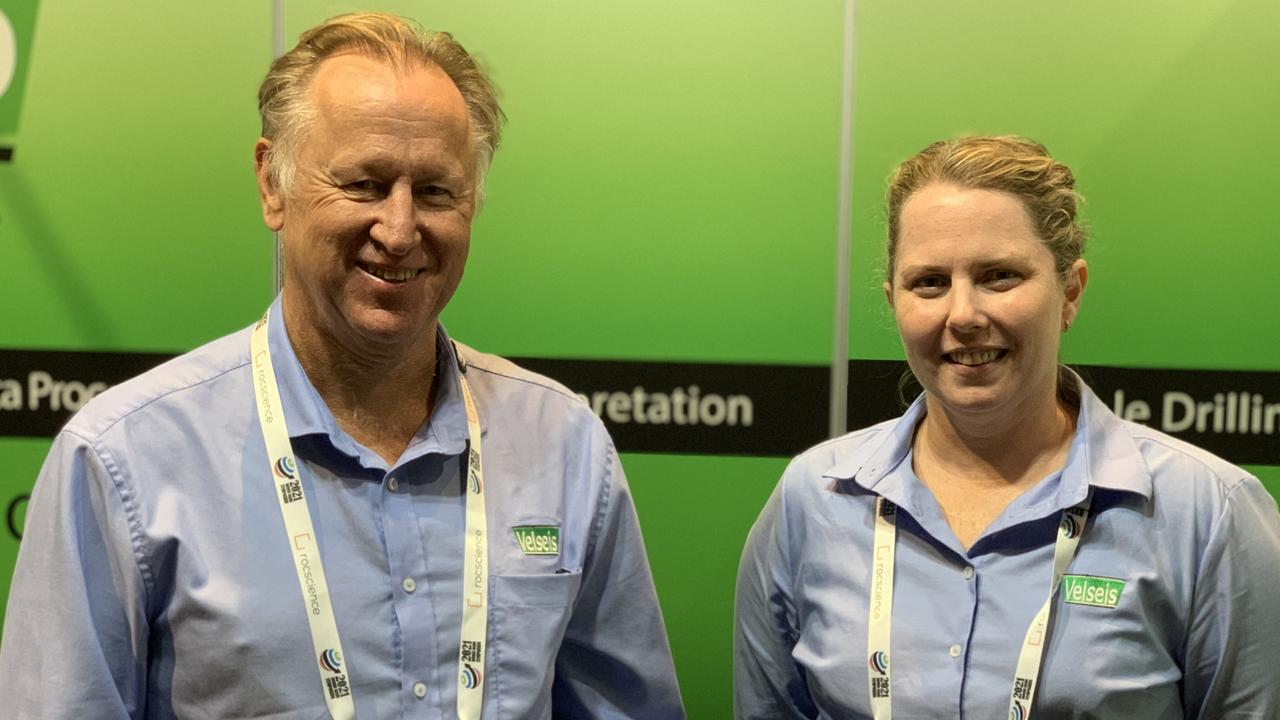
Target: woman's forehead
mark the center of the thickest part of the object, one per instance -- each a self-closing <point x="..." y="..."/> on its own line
<point x="949" y="225"/>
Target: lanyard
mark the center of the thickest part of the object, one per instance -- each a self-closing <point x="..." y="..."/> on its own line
<point x="881" y="610"/>
<point x="326" y="643"/>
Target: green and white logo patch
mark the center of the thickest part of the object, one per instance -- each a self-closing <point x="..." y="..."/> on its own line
<point x="1091" y="590"/>
<point x="538" y="539"/>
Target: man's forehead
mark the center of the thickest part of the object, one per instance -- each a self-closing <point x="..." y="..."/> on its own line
<point x="358" y="77"/>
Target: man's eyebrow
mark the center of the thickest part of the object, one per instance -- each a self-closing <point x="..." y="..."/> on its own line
<point x="388" y="163"/>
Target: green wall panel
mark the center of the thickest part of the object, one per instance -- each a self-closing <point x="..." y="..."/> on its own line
<point x="1164" y="112"/>
<point x="1163" y="115"/>
<point x="128" y="219"/>
<point x="696" y="512"/>
<point x="666" y="187"/>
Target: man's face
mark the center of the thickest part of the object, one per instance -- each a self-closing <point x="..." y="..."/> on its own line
<point x="377" y="223"/>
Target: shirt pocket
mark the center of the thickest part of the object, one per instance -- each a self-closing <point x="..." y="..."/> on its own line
<point x="529" y="617"/>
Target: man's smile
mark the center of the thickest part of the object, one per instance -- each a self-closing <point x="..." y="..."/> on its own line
<point x="391" y="275"/>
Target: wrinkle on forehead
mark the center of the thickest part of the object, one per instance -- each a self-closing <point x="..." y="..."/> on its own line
<point x="371" y="112"/>
<point x="354" y="84"/>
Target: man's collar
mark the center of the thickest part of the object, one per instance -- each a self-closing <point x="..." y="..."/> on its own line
<point x="305" y="411"/>
<point x="307" y="414"/>
<point x="1102" y="455"/>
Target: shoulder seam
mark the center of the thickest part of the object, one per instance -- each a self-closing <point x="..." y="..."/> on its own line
<point x="606" y="497"/>
<point x="876" y="429"/>
<point x="1229" y="483"/>
<point x="135" y="408"/>
<point x="127" y="501"/>
<point x="528" y="381"/>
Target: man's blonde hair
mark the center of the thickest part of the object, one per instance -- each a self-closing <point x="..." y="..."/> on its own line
<point x="284" y="102"/>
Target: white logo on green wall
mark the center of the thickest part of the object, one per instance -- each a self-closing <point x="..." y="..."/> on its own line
<point x="538" y="539"/>
<point x="1090" y="590"/>
<point x="8" y="53"/>
<point x="17" y="24"/>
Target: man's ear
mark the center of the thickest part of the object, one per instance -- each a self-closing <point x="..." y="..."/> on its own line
<point x="888" y="294"/>
<point x="268" y="192"/>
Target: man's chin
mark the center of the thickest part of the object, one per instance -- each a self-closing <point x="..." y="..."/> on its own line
<point x="389" y="329"/>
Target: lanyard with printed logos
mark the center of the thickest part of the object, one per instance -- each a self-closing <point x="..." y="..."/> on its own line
<point x="880" y="612"/>
<point x="327" y="646"/>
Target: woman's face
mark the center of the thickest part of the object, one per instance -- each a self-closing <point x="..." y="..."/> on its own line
<point x="979" y="305"/>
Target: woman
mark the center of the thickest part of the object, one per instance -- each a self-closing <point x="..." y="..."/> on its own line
<point x="1008" y="546"/>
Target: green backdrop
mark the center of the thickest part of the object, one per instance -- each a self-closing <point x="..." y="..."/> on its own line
<point x="667" y="190"/>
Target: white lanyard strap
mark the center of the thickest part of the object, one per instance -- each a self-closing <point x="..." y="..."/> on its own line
<point x="475" y="573"/>
<point x="326" y="643"/>
<point x="1029" y="659"/>
<point x="881" y="611"/>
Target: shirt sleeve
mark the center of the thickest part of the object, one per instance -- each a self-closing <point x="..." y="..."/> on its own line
<point x="767" y="683"/>
<point x="614" y="661"/>
<point x="75" y="632"/>
<point x="1232" y="667"/>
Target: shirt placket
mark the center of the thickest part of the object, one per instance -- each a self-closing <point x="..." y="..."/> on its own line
<point x="410" y="599"/>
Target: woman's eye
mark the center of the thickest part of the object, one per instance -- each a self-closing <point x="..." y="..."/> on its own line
<point x="1003" y="278"/>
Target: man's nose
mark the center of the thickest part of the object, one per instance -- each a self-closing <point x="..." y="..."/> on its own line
<point x="396" y="226"/>
<point x="965" y="312"/>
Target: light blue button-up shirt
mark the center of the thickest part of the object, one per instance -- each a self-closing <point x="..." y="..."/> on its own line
<point x="1195" y="540"/>
<point x="154" y="579"/>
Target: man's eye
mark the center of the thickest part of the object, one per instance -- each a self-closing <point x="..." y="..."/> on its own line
<point x="930" y="281"/>
<point x="362" y="186"/>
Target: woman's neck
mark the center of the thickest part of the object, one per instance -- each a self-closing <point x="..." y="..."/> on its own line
<point x="976" y="466"/>
<point x="997" y="450"/>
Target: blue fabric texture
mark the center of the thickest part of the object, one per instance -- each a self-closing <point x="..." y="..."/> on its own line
<point x="1194" y="539"/>
<point x="154" y="579"/>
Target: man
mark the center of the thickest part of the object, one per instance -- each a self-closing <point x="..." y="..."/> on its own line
<point x="340" y="511"/>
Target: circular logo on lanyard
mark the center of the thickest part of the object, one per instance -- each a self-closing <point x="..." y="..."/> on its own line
<point x="285" y="468"/>
<point x="470" y="677"/>
<point x="1070" y="526"/>
<point x="331" y="660"/>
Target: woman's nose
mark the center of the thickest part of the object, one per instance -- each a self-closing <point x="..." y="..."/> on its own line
<point x="965" y="313"/>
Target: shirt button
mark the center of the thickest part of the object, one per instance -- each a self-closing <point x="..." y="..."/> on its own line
<point x="955" y="651"/>
<point x="393" y="484"/>
<point x="968" y="572"/>
<point x="419" y="690"/>
<point x="409" y="585"/>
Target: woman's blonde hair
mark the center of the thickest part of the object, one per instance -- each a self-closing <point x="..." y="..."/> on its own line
<point x="1016" y="165"/>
